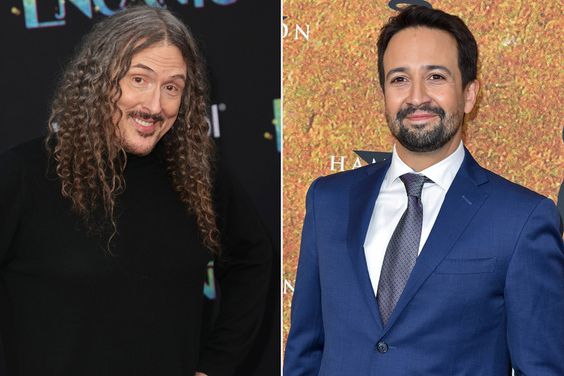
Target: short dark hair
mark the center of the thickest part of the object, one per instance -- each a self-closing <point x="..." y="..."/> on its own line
<point x="421" y="16"/>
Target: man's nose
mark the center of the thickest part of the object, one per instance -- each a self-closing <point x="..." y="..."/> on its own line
<point x="152" y="101"/>
<point x="418" y="94"/>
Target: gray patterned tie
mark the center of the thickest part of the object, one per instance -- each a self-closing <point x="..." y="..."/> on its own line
<point x="403" y="248"/>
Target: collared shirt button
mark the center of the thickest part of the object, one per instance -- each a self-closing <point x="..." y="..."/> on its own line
<point x="382" y="347"/>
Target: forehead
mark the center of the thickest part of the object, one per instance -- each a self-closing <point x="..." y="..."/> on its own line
<point x="421" y="46"/>
<point x="160" y="57"/>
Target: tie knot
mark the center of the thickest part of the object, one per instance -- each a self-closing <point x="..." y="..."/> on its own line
<point x="414" y="183"/>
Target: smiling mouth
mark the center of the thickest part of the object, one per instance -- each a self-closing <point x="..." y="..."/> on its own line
<point x="143" y="123"/>
<point x="421" y="116"/>
<point x="145" y="127"/>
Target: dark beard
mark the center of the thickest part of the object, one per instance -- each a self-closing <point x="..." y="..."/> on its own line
<point x="419" y="140"/>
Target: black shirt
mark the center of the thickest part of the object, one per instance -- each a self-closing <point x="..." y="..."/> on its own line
<point x="68" y="307"/>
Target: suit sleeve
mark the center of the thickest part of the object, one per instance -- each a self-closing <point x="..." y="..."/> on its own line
<point x="304" y="347"/>
<point x="243" y="275"/>
<point x="534" y="296"/>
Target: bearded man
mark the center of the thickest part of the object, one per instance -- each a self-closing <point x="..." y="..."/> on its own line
<point x="109" y="226"/>
<point x="427" y="264"/>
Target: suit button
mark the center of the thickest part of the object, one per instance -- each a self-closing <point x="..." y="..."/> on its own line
<point x="382" y="347"/>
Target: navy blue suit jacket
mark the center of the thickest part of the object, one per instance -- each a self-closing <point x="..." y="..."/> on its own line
<point x="486" y="293"/>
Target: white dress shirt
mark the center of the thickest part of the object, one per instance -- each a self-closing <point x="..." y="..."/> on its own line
<point x="392" y="202"/>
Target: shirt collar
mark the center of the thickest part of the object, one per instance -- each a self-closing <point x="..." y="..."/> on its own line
<point x="441" y="173"/>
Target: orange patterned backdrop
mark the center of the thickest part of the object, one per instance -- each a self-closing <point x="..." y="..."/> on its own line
<point x="332" y="102"/>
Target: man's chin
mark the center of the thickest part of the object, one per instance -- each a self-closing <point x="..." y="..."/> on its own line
<point x="140" y="148"/>
<point x="423" y="143"/>
<point x="421" y="137"/>
<point x="419" y="148"/>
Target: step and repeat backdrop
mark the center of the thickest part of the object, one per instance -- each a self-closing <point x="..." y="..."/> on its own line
<point x="333" y="107"/>
<point x="240" y="40"/>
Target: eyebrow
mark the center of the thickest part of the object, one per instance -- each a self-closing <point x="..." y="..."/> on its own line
<point x="438" y="67"/>
<point x="427" y="67"/>
<point x="143" y="66"/>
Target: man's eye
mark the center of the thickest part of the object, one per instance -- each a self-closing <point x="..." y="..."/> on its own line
<point x="398" y="80"/>
<point x="172" y="90"/>
<point x="138" y="80"/>
<point x="437" y="77"/>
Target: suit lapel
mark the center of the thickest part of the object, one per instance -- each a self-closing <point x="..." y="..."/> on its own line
<point x="461" y="203"/>
<point x="363" y="196"/>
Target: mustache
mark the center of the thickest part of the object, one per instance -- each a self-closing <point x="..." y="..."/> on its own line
<point x="402" y="114"/>
<point x="146" y="115"/>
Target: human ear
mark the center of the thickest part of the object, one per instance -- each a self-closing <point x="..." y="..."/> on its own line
<point x="470" y="95"/>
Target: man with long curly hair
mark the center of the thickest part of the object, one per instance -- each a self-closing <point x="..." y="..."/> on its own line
<point x="110" y="226"/>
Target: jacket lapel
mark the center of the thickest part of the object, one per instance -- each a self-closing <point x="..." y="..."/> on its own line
<point x="363" y="196"/>
<point x="461" y="203"/>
